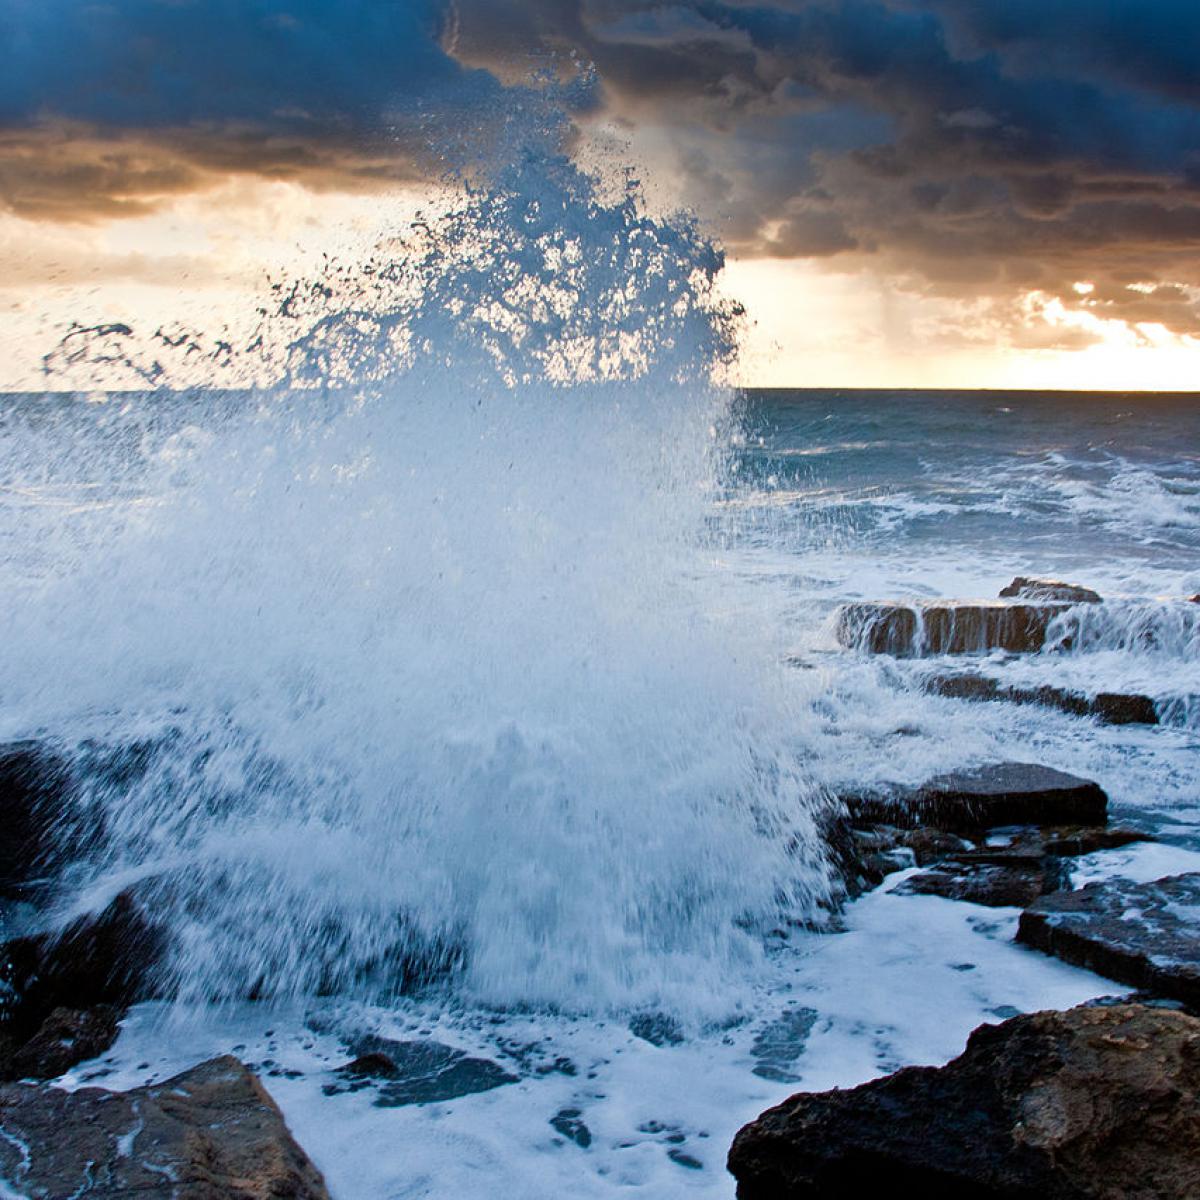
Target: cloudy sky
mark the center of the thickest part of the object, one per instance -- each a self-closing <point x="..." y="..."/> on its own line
<point x="911" y="192"/>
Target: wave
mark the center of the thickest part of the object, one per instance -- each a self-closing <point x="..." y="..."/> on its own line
<point x="420" y="650"/>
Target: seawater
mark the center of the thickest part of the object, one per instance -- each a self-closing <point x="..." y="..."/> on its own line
<point x="475" y="682"/>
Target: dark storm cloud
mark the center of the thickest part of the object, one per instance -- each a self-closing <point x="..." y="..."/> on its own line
<point x="969" y="146"/>
<point x="107" y="107"/>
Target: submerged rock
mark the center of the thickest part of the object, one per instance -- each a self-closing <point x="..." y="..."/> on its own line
<point x="1023" y="588"/>
<point x="985" y="797"/>
<point x="1098" y="1103"/>
<point x="416" y="1072"/>
<point x="1113" y="708"/>
<point x="945" y="627"/>
<point x="1144" y="934"/>
<point x="778" y="1046"/>
<point x="211" y="1133"/>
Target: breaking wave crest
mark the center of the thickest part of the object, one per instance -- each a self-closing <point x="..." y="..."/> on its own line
<point x="412" y="666"/>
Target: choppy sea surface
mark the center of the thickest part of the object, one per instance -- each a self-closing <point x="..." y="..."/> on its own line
<point x="387" y="670"/>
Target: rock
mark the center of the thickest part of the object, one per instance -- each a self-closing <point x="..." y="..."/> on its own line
<point x="211" y="1133"/>
<point x="375" y="1065"/>
<point x="1022" y="588"/>
<point x="1142" y="934"/>
<point x="32" y="784"/>
<point x="778" y="1045"/>
<point x="985" y="797"/>
<point x="985" y="883"/>
<point x="945" y="627"/>
<point x="1072" y="841"/>
<point x="67" y="1036"/>
<point x="1031" y="845"/>
<point x="99" y="959"/>
<point x="1114" y="708"/>
<point x="1016" y="873"/>
<point x="569" y="1122"/>
<point x="657" y="1028"/>
<point x="1098" y="1103"/>
<point x="417" y="1072"/>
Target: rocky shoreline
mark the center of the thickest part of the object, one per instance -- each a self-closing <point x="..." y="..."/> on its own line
<point x="1099" y="1101"/>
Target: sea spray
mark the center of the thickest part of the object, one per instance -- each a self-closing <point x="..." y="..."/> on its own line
<point x="418" y="664"/>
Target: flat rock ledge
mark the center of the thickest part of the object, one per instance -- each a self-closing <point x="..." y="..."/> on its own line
<point x="211" y="1133"/>
<point x="1112" y="708"/>
<point x="985" y="797"/>
<point x="1142" y="934"/>
<point x="1097" y="1103"/>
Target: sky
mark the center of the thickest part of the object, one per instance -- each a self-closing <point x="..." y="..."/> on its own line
<point x="955" y="193"/>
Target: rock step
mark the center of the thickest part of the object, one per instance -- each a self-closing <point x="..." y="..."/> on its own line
<point x="1098" y="1102"/>
<point x="945" y="627"/>
<point x="1113" y="708"/>
<point x="211" y="1133"/>
<point x="1025" y="588"/>
<point x="1033" y="863"/>
<point x="1142" y="934"/>
<point x="983" y="798"/>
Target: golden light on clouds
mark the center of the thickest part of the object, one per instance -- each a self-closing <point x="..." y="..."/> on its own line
<point x="819" y="327"/>
<point x="203" y="261"/>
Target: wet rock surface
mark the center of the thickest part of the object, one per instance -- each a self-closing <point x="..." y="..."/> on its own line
<point x="211" y="1133"/>
<point x="778" y="1046"/>
<point x="1025" y="588"/>
<point x="985" y="797"/>
<point x="32" y="783"/>
<point x="103" y="959"/>
<point x="1017" y="868"/>
<point x="1098" y="1103"/>
<point x="1144" y="934"/>
<point x="991" y="884"/>
<point x="416" y="1072"/>
<point x="946" y="627"/>
<point x="1113" y="708"/>
<point x="66" y="1037"/>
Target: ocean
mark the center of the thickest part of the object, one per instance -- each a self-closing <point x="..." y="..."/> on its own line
<point x="541" y="689"/>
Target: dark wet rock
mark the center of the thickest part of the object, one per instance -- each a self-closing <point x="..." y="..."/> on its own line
<point x="1072" y="841"/>
<point x="99" y="959"/>
<point x="986" y="883"/>
<point x="211" y="1133"/>
<point x="945" y="627"/>
<point x="682" y="1158"/>
<point x="1113" y="708"/>
<point x="1144" y="934"/>
<point x="1014" y="872"/>
<point x="864" y="854"/>
<point x="371" y="1066"/>
<point x="569" y="1122"/>
<point x="1022" y="588"/>
<point x="778" y="1046"/>
<point x="417" y="1072"/>
<point x="67" y="1036"/>
<point x="1098" y="1103"/>
<point x="985" y="797"/>
<point x="33" y="782"/>
<point x="656" y="1028"/>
